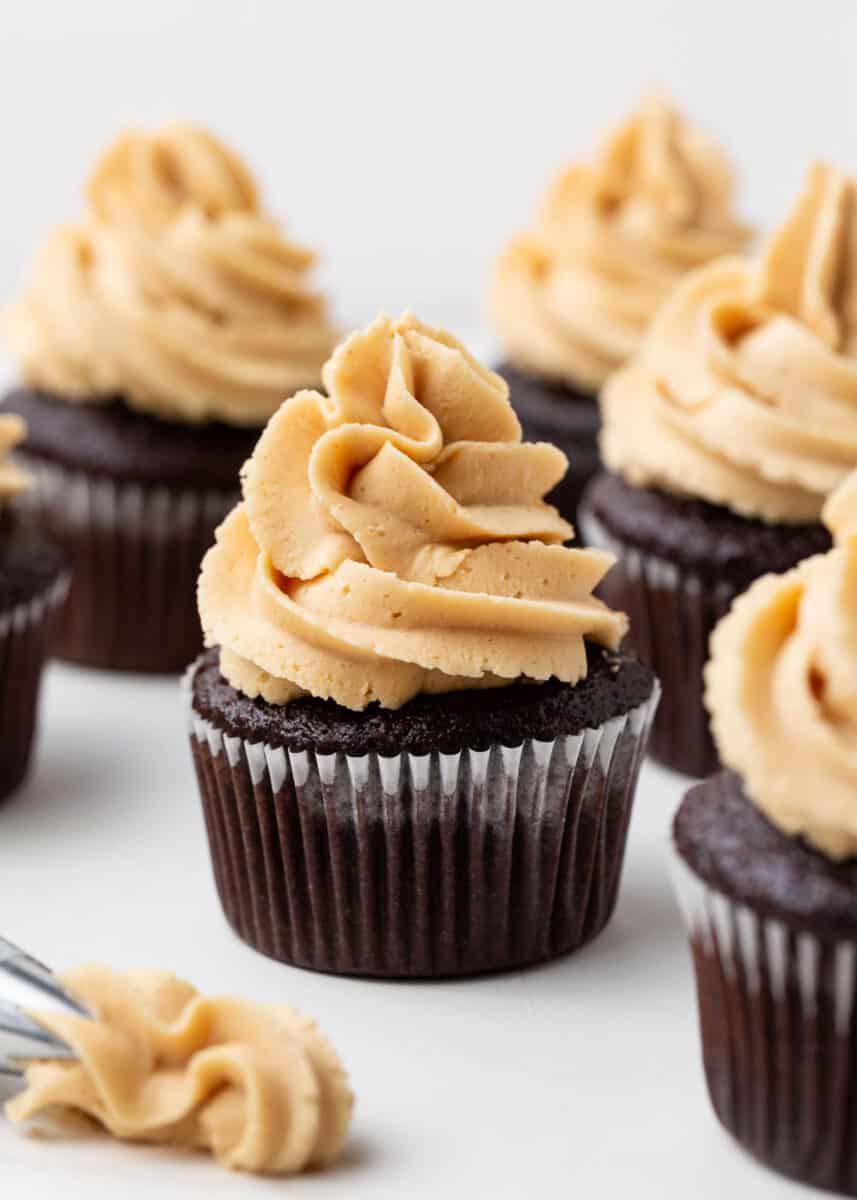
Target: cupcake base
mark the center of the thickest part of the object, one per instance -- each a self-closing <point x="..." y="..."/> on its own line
<point x="551" y="412"/>
<point x="423" y="842"/>
<point x="773" y="929"/>
<point x="681" y="563"/>
<point x="135" y="503"/>
<point x="33" y="585"/>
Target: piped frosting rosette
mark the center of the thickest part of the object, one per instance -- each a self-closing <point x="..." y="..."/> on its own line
<point x="745" y="393"/>
<point x="257" y="1085"/>
<point x="574" y="295"/>
<point x="781" y="687"/>
<point x="393" y="538"/>
<point x="177" y="291"/>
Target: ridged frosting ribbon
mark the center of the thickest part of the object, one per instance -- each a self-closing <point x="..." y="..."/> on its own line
<point x="393" y="538"/>
<point x="257" y="1085"/>
<point x="745" y="393"/>
<point x="573" y="296"/>
<point x="781" y="687"/>
<point x="176" y="291"/>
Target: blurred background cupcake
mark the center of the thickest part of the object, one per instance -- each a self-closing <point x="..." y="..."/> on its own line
<point x="153" y="340"/>
<point x="572" y="296"/>
<point x="723" y="439"/>
<point x="416" y="745"/>
<point x="33" y="583"/>
<point x="767" y="866"/>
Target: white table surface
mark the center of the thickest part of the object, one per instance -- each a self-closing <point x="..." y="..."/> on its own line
<point x="579" y="1078"/>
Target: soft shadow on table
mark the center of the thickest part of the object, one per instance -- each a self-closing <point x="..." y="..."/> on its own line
<point x="61" y="792"/>
<point x="358" y="1153"/>
<point x="647" y="917"/>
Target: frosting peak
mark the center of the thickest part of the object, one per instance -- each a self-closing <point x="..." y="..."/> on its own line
<point x="781" y="687"/>
<point x="809" y="270"/>
<point x="176" y="292"/>
<point x="656" y="170"/>
<point x="574" y="295"/>
<point x="151" y="178"/>
<point x="745" y="392"/>
<point x="257" y="1085"/>
<point x="393" y="538"/>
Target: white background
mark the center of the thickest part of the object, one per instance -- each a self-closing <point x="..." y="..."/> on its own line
<point x="404" y="141"/>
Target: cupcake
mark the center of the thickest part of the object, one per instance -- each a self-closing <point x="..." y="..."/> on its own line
<point x="722" y="440"/>
<point x="153" y="340"/>
<point x="766" y="855"/>
<point x="33" y="583"/>
<point x="416" y="743"/>
<point x="573" y="296"/>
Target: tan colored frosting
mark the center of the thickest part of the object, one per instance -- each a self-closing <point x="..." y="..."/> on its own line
<point x="393" y="538"/>
<point x="745" y="393"/>
<point x="781" y="687"/>
<point x="840" y="511"/>
<point x="257" y="1085"/>
<point x="13" y="479"/>
<point x="176" y="291"/>
<point x="573" y="297"/>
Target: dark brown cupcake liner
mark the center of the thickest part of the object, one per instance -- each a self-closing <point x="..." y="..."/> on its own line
<point x="24" y="636"/>
<point x="135" y="552"/>
<point x="778" y="1022"/>
<point x="420" y="865"/>
<point x="672" y="612"/>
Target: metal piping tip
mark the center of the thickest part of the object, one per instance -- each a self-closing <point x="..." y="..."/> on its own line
<point x="27" y="985"/>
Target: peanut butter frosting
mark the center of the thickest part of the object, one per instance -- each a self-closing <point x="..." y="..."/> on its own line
<point x="393" y="538"/>
<point x="176" y="291"/>
<point x="574" y="295"/>
<point x="13" y="479"/>
<point x="745" y="393"/>
<point x="781" y="687"/>
<point x="256" y="1085"/>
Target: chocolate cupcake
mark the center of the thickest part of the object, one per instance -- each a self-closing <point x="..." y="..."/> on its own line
<point x="574" y="295"/>
<point x="766" y="867"/>
<point x="154" y="339"/>
<point x="33" y="583"/>
<point x="724" y="438"/>
<point x="416" y="744"/>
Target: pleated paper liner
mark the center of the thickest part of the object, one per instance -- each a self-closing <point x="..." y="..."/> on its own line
<point x="420" y="865"/>
<point x="673" y="612"/>
<point x="135" y="552"/>
<point x="778" y="1024"/>
<point x="24" y="637"/>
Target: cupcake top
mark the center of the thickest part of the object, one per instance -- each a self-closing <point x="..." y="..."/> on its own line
<point x="573" y="296"/>
<point x="176" y="292"/>
<point x="13" y="480"/>
<point x="256" y="1084"/>
<point x="781" y="687"/>
<point x="393" y="538"/>
<point x="745" y="392"/>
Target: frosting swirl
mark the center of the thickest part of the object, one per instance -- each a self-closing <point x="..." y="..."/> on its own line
<point x="573" y="296"/>
<point x="781" y="687"/>
<point x="745" y="393"/>
<point x="13" y="479"/>
<point x="257" y="1085"/>
<point x="176" y="292"/>
<point x="393" y="538"/>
